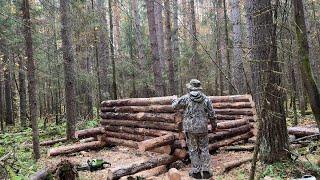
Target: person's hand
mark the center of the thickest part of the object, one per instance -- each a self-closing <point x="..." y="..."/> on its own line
<point x="213" y="126"/>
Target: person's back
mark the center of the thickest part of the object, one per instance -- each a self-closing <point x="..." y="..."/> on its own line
<point x="197" y="113"/>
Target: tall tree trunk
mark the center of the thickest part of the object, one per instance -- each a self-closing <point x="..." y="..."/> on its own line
<point x="226" y="37"/>
<point x="158" y="79"/>
<point x="169" y="49"/>
<point x="140" y="46"/>
<point x="31" y="79"/>
<point x="22" y="93"/>
<point x="238" y="70"/>
<point x="220" y="45"/>
<point x="117" y="20"/>
<point x="175" y="42"/>
<point x="266" y="75"/>
<point x="114" y="82"/>
<point x="69" y="72"/>
<point x="160" y="35"/>
<point x="8" y="89"/>
<point x="308" y="81"/>
<point x="195" y="62"/>
<point x="1" y="99"/>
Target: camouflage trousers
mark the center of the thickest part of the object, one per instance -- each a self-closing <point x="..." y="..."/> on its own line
<point x="198" y="151"/>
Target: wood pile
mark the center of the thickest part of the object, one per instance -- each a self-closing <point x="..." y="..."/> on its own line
<point x="151" y="124"/>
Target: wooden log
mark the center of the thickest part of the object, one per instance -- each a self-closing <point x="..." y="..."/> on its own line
<point x="142" y="124"/>
<point x="229" y="132"/>
<point x="231" y="105"/>
<point x="147" y="173"/>
<point x="174" y="174"/>
<point x="299" y="131"/>
<point x="232" y="124"/>
<point x="220" y="117"/>
<point x="162" y="150"/>
<point x="244" y="111"/>
<point x="234" y="98"/>
<point x="162" y="117"/>
<point x="149" y="164"/>
<point x="139" y="101"/>
<point x="139" y="131"/>
<point x="120" y="142"/>
<point x="137" y="109"/>
<point x="230" y="141"/>
<point x="127" y="136"/>
<point x="75" y="148"/>
<point x="51" y="142"/>
<point x="180" y="153"/>
<point x="86" y="133"/>
<point x="156" y="142"/>
<point x="232" y="164"/>
<point x="239" y="148"/>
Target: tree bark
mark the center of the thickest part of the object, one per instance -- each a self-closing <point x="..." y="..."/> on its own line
<point x="1" y="98"/>
<point x="226" y="37"/>
<point x="114" y="81"/>
<point x="266" y="78"/>
<point x="8" y="90"/>
<point x="158" y="78"/>
<point x="69" y="72"/>
<point x="238" y="69"/>
<point x="308" y="81"/>
<point x="31" y="78"/>
<point x="22" y="93"/>
<point x="195" y="62"/>
<point x="169" y="48"/>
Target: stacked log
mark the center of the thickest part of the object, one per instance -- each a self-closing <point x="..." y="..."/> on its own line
<point x="302" y="131"/>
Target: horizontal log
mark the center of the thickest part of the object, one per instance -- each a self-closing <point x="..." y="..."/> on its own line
<point x="230" y="141"/>
<point x="136" y="109"/>
<point x="234" y="98"/>
<point x="51" y="142"/>
<point x="127" y="136"/>
<point x="75" y="148"/>
<point x="229" y="132"/>
<point x="220" y="117"/>
<point x="86" y="133"/>
<point x="299" y="131"/>
<point x="119" y="142"/>
<point x="157" y="117"/>
<point x="232" y="124"/>
<point x="139" y="131"/>
<point x="156" y="142"/>
<point x="180" y="153"/>
<point x="239" y="148"/>
<point x="233" y="164"/>
<point x="147" y="173"/>
<point x="232" y="105"/>
<point x="139" y="101"/>
<point x="141" y="124"/>
<point x="149" y="164"/>
<point x="244" y="111"/>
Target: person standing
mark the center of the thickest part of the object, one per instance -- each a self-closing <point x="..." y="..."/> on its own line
<point x="198" y="112"/>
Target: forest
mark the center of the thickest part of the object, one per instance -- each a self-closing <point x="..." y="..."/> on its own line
<point x="86" y="87"/>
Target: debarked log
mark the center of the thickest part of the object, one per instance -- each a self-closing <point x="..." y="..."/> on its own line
<point x="232" y="105"/>
<point x="156" y="142"/>
<point x="234" y="98"/>
<point x="139" y="101"/>
<point x="127" y="136"/>
<point x="86" y="133"/>
<point x="75" y="148"/>
<point x="149" y="164"/>
<point x="136" y="109"/>
<point x="139" y="131"/>
<point x="229" y="141"/>
<point x="244" y="111"/>
<point x="157" y="117"/>
<point x="142" y="124"/>
<point x="232" y="124"/>
<point x="229" y="132"/>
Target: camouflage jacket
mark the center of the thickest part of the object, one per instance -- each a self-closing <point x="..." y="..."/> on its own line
<point x="197" y="111"/>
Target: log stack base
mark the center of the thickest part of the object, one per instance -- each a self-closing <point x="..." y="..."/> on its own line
<point x="151" y="124"/>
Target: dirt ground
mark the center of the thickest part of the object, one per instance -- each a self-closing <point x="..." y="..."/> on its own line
<point x="122" y="156"/>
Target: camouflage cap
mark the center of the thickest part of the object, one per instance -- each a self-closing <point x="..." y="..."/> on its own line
<point x="194" y="85"/>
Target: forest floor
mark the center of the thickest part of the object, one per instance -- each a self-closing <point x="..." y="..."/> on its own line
<point x="21" y="165"/>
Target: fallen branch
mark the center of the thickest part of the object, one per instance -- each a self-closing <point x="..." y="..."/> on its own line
<point x="232" y="164"/>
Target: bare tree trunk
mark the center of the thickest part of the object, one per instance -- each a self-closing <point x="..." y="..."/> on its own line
<point x="1" y="98"/>
<point x="308" y="81"/>
<point x="195" y="64"/>
<point x="158" y="79"/>
<point x="169" y="49"/>
<point x="8" y="90"/>
<point x="238" y="71"/>
<point x="114" y="81"/>
<point x="31" y="79"/>
<point x="226" y="39"/>
<point x="69" y="72"/>
<point x="220" y="53"/>
<point x="175" y="42"/>
<point x="22" y="93"/>
<point x="117" y="20"/>
<point x="266" y="77"/>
